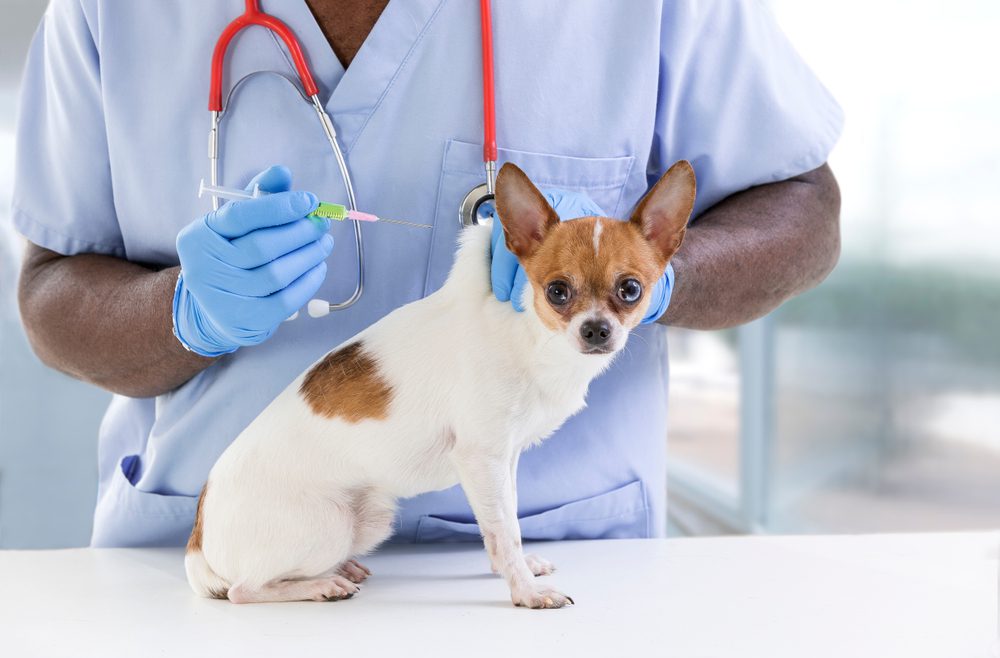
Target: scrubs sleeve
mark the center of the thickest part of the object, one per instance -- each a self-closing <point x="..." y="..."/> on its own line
<point x="62" y="198"/>
<point x="736" y="100"/>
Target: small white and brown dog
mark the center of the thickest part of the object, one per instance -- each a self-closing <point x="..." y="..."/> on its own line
<point x="448" y="389"/>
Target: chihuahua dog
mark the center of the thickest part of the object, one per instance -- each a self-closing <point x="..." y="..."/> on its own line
<point x="448" y="389"/>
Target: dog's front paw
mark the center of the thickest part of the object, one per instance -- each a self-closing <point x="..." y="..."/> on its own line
<point x="541" y="598"/>
<point x="539" y="565"/>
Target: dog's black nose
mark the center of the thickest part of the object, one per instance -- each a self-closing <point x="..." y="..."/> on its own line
<point x="595" y="332"/>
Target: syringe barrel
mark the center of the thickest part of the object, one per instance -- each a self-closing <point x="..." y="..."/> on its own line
<point x="222" y="192"/>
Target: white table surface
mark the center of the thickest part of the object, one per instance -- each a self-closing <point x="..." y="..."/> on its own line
<point x="884" y="596"/>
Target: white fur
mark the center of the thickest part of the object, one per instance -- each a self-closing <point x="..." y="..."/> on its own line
<point x="474" y="383"/>
<point x="598" y="227"/>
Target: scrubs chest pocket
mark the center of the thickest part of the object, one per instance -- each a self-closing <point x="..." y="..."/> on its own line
<point x="602" y="179"/>
<point x="128" y="517"/>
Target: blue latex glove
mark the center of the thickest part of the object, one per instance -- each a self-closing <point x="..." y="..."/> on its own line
<point x="508" y="278"/>
<point x="248" y="266"/>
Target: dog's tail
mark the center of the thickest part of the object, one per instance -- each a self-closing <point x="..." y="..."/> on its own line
<point x="202" y="579"/>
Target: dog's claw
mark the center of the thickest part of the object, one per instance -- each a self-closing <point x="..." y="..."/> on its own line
<point x="334" y="588"/>
<point x="544" y="598"/>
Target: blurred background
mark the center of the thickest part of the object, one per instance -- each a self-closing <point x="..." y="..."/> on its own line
<point x="870" y="404"/>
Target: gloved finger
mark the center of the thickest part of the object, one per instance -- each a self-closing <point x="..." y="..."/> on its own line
<point x="266" y="244"/>
<point x="281" y="272"/>
<point x="659" y="296"/>
<point x="504" y="266"/>
<point x="237" y="218"/>
<point x="271" y="180"/>
<point x="569" y="204"/>
<point x="296" y="294"/>
<point x="517" y="290"/>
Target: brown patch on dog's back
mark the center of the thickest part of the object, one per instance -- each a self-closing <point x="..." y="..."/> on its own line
<point x="194" y="541"/>
<point x="347" y="384"/>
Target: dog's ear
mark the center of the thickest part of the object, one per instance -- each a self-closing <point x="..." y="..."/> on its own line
<point x="524" y="213"/>
<point x="662" y="215"/>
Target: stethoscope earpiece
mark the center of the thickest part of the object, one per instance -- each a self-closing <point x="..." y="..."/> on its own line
<point x="318" y="308"/>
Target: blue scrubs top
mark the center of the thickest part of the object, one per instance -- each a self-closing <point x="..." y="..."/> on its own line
<point x="594" y="96"/>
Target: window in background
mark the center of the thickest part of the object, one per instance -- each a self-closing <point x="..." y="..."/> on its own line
<point x="705" y="404"/>
<point x="719" y="453"/>
<point x="871" y="403"/>
<point x="888" y="375"/>
<point x="704" y="420"/>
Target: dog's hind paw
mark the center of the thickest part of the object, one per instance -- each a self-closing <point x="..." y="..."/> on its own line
<point x="333" y="588"/>
<point x="354" y="571"/>
<point x="539" y="565"/>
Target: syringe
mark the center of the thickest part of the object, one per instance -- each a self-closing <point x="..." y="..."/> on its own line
<point x="333" y="211"/>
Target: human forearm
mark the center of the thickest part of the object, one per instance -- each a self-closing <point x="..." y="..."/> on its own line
<point x="247" y="267"/>
<point x="750" y="252"/>
<point x="104" y="320"/>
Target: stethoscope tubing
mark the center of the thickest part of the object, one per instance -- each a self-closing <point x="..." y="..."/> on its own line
<point x="489" y="97"/>
<point x="471" y="210"/>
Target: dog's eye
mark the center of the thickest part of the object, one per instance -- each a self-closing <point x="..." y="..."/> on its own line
<point x="629" y="291"/>
<point x="557" y="293"/>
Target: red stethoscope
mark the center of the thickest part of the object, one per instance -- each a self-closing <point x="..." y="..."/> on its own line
<point x="475" y="207"/>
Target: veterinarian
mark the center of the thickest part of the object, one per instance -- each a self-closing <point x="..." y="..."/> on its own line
<point x="594" y="100"/>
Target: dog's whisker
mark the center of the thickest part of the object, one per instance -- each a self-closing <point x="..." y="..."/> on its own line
<point x="639" y="336"/>
<point x="627" y="351"/>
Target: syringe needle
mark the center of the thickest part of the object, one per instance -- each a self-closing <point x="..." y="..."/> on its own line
<point x="402" y="223"/>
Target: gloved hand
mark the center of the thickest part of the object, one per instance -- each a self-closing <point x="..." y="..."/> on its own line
<point x="248" y="266"/>
<point x="508" y="278"/>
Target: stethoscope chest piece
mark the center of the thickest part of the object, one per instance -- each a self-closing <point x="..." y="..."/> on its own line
<point x="477" y="207"/>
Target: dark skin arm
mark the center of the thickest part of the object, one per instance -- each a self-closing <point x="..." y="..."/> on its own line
<point x="108" y="321"/>
<point x="749" y="253"/>
<point x="104" y="320"/>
